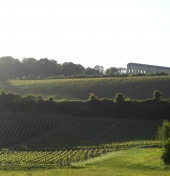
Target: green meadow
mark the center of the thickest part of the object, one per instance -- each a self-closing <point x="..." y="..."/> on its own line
<point x="134" y="161"/>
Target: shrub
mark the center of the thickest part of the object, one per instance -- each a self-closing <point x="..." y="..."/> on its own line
<point x="119" y="98"/>
<point x="51" y="99"/>
<point x="163" y="132"/>
<point x="166" y="153"/>
<point x="157" y="95"/>
<point x="93" y="97"/>
<point x="31" y="77"/>
<point x="24" y="78"/>
<point x="17" y="78"/>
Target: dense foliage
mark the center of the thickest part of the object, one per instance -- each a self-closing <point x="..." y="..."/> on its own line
<point x="163" y="132"/>
<point x="30" y="69"/>
<point x="118" y="107"/>
<point x="166" y="153"/>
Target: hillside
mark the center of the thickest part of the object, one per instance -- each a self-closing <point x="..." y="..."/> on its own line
<point x="40" y="131"/>
<point x="79" y="89"/>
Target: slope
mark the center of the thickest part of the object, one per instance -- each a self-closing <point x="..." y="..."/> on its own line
<point x="78" y="89"/>
<point x="51" y="132"/>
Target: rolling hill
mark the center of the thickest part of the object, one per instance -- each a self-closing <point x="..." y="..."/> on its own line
<point x="78" y="89"/>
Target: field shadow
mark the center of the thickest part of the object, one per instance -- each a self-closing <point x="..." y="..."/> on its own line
<point x="76" y="167"/>
<point x="7" y="86"/>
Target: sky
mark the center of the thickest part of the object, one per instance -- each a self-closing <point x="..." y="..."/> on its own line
<point x="109" y="33"/>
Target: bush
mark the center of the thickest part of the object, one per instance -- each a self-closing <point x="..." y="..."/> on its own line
<point x="163" y="132"/>
<point x="119" y="98"/>
<point x="93" y="97"/>
<point x="17" y="78"/>
<point x="157" y="95"/>
<point x="31" y="77"/>
<point x="24" y="78"/>
<point x="166" y="153"/>
<point x="51" y="98"/>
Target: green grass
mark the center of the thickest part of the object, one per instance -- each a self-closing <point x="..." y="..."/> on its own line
<point x="79" y="89"/>
<point x="135" y="161"/>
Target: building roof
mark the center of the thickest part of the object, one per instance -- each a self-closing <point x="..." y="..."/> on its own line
<point x="146" y="65"/>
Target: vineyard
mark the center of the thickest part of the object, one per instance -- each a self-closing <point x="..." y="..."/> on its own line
<point x="26" y="131"/>
<point x="78" y="89"/>
<point x="66" y="157"/>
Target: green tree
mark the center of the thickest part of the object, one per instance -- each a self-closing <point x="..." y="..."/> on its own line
<point x="29" y="66"/>
<point x="111" y="71"/>
<point x="29" y="98"/>
<point x="91" y="71"/>
<point x="163" y="132"/>
<point x="48" y="67"/>
<point x="69" y="68"/>
<point x="166" y="152"/>
<point x="31" y="77"/>
<point x="119" y="98"/>
<point x="100" y="69"/>
<point x="9" y="67"/>
<point x="93" y="97"/>
<point x="51" y="98"/>
<point x="2" y="95"/>
<point x="157" y="95"/>
<point x="39" y="98"/>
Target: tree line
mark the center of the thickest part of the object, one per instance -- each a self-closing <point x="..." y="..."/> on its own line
<point x="30" y="68"/>
<point x="119" y="107"/>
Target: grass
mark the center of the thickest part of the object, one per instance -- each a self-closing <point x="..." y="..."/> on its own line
<point x="131" y="162"/>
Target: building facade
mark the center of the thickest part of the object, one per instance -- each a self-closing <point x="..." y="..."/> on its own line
<point x="134" y="68"/>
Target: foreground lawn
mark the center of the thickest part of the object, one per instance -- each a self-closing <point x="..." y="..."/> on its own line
<point x="131" y="162"/>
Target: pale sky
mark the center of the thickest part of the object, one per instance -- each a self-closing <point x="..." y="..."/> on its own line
<point x="88" y="32"/>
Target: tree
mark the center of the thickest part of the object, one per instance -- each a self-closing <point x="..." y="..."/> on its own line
<point x="31" y="77"/>
<point x="29" y="66"/>
<point x="166" y="153"/>
<point x="100" y="69"/>
<point x="122" y="70"/>
<point x="157" y="95"/>
<point x="93" y="97"/>
<point x="119" y="98"/>
<point x="91" y="71"/>
<point x="9" y="67"/>
<point x="70" y="68"/>
<point x="48" y="67"/>
<point x="29" y="98"/>
<point x="163" y="132"/>
<point x="111" y="70"/>
<point x="51" y="98"/>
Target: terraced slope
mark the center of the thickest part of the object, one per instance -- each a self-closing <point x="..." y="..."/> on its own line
<point x="39" y="131"/>
<point x="73" y="89"/>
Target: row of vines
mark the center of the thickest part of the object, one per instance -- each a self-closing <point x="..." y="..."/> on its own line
<point x="74" y="89"/>
<point x="30" y="131"/>
<point x="16" y="127"/>
<point x="66" y="157"/>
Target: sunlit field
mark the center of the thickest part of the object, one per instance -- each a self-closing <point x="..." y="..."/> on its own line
<point x="134" y="161"/>
<point x="79" y="89"/>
